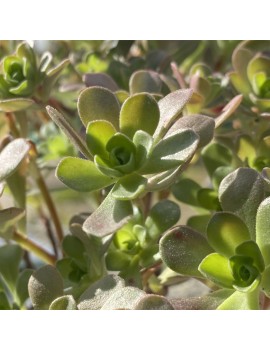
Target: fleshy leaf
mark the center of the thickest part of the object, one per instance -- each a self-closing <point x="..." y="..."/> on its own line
<point x="216" y="155"/>
<point x="139" y="112"/>
<point x="162" y="216"/>
<point x="263" y="228"/>
<point x="225" y="232"/>
<point x="116" y="212"/>
<point x="251" y="249"/>
<point x="216" y="268"/>
<point x="22" y="286"/>
<point x="182" y="249"/>
<point x="170" y="108"/>
<point x="81" y="175"/>
<point x="241" y="192"/>
<point x="145" y="81"/>
<point x="44" y="286"/>
<point x="12" y="156"/>
<point x="124" y="299"/>
<point x="129" y="187"/>
<point x="13" y="105"/>
<point x="143" y="142"/>
<point x="265" y="283"/>
<point x="199" y="223"/>
<point x="101" y="80"/>
<point x="202" y="125"/>
<point x="172" y="151"/>
<point x="66" y="302"/>
<point x="154" y="302"/>
<point x="98" y="293"/>
<point x="98" y="133"/>
<point x="207" y="302"/>
<point x="208" y="199"/>
<point x="241" y="301"/>
<point x="228" y="110"/>
<point x="73" y="136"/>
<point x="10" y="258"/>
<point x="98" y="103"/>
<point x="9" y="217"/>
<point x="185" y="190"/>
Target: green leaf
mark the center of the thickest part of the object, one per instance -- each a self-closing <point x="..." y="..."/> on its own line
<point x="8" y="218"/>
<point x="262" y="229"/>
<point x="22" y="286"/>
<point x="216" y="268"/>
<point x="202" y="125"/>
<point x="101" y="80"/>
<point x="241" y="301"/>
<point x="81" y="175"/>
<point x="172" y="151"/>
<point x="208" y="199"/>
<point x="251" y="249"/>
<point x="225" y="232"/>
<point x="116" y="212"/>
<point x="139" y="112"/>
<point x="13" y="105"/>
<point x="124" y="299"/>
<point x="129" y="187"/>
<point x="98" y="293"/>
<point x="265" y="283"/>
<point x="12" y="156"/>
<point x="185" y="190"/>
<point x="170" y="108"/>
<point x="258" y="64"/>
<point x="162" y="216"/>
<point x="220" y="173"/>
<point x="44" y="286"/>
<point x="246" y="149"/>
<point x="66" y="302"/>
<point x="97" y="103"/>
<point x="216" y="155"/>
<point x="143" y="142"/>
<point x="4" y="303"/>
<point x="72" y="135"/>
<point x="10" y="258"/>
<point x="154" y="302"/>
<point x="98" y="133"/>
<point x="241" y="192"/>
<point x="117" y="260"/>
<point x="73" y="247"/>
<point x="145" y="81"/>
<point x="199" y="223"/>
<point x="51" y="77"/>
<point x="207" y="302"/>
<point x="182" y="250"/>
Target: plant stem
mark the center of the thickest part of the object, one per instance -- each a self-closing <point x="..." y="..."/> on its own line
<point x="29" y="245"/>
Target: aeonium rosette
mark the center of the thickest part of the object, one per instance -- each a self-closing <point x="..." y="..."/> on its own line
<point x="138" y="147"/>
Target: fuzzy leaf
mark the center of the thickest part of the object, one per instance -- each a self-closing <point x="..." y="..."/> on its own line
<point x="139" y="112"/>
<point x="98" y="293"/>
<point x="208" y="199"/>
<point x="116" y="212"/>
<point x="81" y="175"/>
<point x="124" y="299"/>
<point x="162" y="216"/>
<point x="172" y="151"/>
<point x="170" y="108"/>
<point x="241" y="192"/>
<point x="9" y="217"/>
<point x="241" y="301"/>
<point x="98" y="133"/>
<point x="202" y="125"/>
<point x="129" y="187"/>
<point x="44" y="286"/>
<point x="72" y="135"/>
<point x="66" y="302"/>
<point x="185" y="190"/>
<point x="154" y="302"/>
<point x="98" y="103"/>
<point x="199" y="223"/>
<point x="12" y="156"/>
<point x="225" y="232"/>
<point x="216" y="268"/>
<point x="216" y="155"/>
<point x="145" y="81"/>
<point x="262" y="229"/>
<point x="13" y="105"/>
<point x="10" y="258"/>
<point x="182" y="249"/>
<point x="101" y="80"/>
<point x="251" y="249"/>
<point x="143" y="142"/>
<point x="22" y="286"/>
<point x="265" y="283"/>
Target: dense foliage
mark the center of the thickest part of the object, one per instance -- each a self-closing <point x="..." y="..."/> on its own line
<point x="127" y="167"/>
